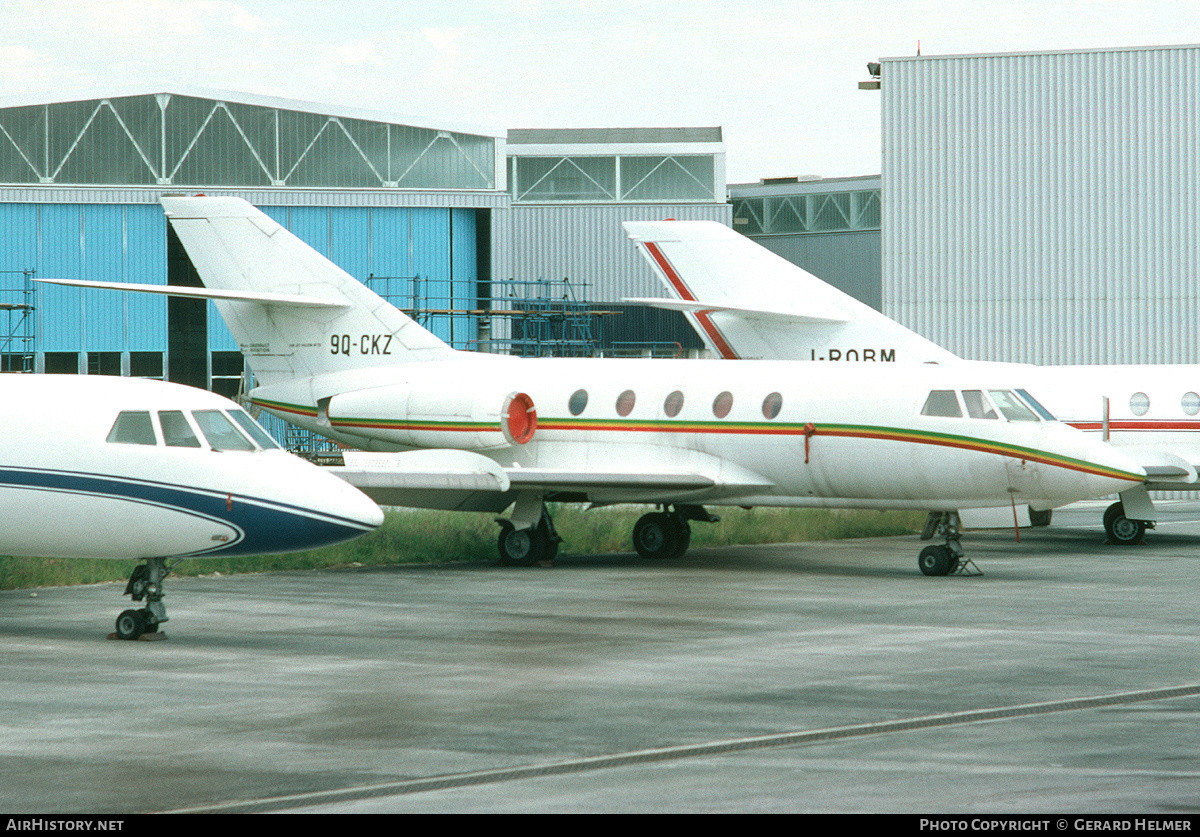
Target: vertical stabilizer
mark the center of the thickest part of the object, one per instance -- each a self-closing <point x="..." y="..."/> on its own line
<point x="235" y="247"/>
<point x="747" y="302"/>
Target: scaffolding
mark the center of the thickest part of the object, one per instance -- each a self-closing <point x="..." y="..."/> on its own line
<point x="18" y="340"/>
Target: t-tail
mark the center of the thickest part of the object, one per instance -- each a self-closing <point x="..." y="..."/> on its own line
<point x="293" y="312"/>
<point x="746" y="302"/>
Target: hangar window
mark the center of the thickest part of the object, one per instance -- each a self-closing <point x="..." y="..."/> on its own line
<point x="177" y="433"/>
<point x="1139" y="403"/>
<point x="625" y="402"/>
<point x="942" y="402"/>
<point x="220" y="432"/>
<point x="673" y="404"/>
<point x="133" y="428"/>
<point x="722" y="404"/>
<point x="577" y="402"/>
<point x="772" y="404"/>
<point x="1190" y="403"/>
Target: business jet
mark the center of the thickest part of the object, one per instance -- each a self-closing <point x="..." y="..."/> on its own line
<point x="107" y="467"/>
<point x="440" y="428"/>
<point x="747" y="302"/>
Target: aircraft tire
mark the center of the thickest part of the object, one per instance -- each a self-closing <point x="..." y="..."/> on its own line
<point x="523" y="547"/>
<point x="936" y="560"/>
<point x="656" y="535"/>
<point x="131" y="624"/>
<point x="1120" y="529"/>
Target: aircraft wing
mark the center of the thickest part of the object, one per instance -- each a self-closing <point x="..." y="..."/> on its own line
<point x="1166" y="470"/>
<point x="467" y="481"/>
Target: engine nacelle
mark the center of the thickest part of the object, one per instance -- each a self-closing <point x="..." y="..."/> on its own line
<point x="424" y="417"/>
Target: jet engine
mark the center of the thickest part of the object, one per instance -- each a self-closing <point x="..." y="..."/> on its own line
<point x="425" y="417"/>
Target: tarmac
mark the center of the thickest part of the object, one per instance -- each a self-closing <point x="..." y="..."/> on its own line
<point x="814" y="677"/>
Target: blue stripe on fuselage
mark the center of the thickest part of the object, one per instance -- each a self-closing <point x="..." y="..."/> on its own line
<point x="265" y="526"/>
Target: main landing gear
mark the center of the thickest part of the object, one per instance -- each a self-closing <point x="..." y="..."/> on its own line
<point x="939" y="559"/>
<point x="666" y="533"/>
<point x="1120" y="529"/>
<point x="658" y="535"/>
<point x="145" y="582"/>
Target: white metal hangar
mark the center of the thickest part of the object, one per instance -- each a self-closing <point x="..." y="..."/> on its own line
<point x="420" y="211"/>
<point x="1044" y="207"/>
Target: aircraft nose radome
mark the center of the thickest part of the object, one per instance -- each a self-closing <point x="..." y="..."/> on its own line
<point x="1114" y="469"/>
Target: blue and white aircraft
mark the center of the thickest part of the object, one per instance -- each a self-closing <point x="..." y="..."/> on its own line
<point x="462" y="430"/>
<point x="107" y="467"/>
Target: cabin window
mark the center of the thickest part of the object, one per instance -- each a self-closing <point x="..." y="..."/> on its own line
<point x="772" y="404"/>
<point x="942" y="402"/>
<point x="1139" y="403"/>
<point x="1010" y="406"/>
<point x="220" y="432"/>
<point x="1190" y="403"/>
<point x="577" y="402"/>
<point x="177" y="433"/>
<point x="253" y="429"/>
<point x="722" y="404"/>
<point x="1036" y="405"/>
<point x="673" y="404"/>
<point x="977" y="405"/>
<point x="133" y="428"/>
<point x="625" y="402"/>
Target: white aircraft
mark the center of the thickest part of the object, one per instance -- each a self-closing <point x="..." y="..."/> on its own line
<point x="106" y="467"/>
<point x="747" y="302"/>
<point x="461" y="430"/>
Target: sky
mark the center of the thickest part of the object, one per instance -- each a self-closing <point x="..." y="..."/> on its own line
<point x="781" y="78"/>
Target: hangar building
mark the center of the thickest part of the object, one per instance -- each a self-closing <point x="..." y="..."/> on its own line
<point x="1043" y="207"/>
<point x="422" y="212"/>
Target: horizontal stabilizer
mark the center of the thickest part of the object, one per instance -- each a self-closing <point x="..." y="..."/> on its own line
<point x="288" y="300"/>
<point x="747" y="313"/>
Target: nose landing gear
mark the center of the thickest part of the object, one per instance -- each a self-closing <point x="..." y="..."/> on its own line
<point x="145" y="582"/>
<point x="939" y="559"/>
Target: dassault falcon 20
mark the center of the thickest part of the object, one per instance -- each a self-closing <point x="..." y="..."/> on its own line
<point x="747" y="302"/>
<point x="107" y="467"/>
<point x="459" y="430"/>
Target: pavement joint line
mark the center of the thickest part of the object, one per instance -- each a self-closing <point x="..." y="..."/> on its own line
<point x="684" y="751"/>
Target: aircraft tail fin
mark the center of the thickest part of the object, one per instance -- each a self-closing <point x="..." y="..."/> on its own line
<point x="238" y="249"/>
<point x="747" y="302"/>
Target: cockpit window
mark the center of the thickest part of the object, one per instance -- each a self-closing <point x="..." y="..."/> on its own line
<point x="942" y="402"/>
<point x="133" y="428"/>
<point x="253" y="429"/>
<point x="1037" y="407"/>
<point x="977" y="405"/>
<point x="220" y="432"/>
<point x="177" y="433"/>
<point x="1010" y="406"/>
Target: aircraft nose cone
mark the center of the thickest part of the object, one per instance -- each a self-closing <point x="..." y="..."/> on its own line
<point x="1113" y="470"/>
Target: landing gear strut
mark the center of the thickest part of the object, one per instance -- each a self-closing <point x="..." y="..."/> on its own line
<point x="145" y="582"/>
<point x="938" y="559"/>
<point x="666" y="534"/>
<point x="537" y="544"/>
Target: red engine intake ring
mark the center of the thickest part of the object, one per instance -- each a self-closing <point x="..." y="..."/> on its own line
<point x="521" y="421"/>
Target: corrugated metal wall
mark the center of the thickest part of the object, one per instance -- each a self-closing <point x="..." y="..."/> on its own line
<point x="1044" y="207"/>
<point x="848" y="260"/>
<point x="588" y="245"/>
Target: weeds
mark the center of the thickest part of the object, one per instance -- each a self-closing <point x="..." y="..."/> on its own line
<point x="412" y="536"/>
